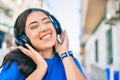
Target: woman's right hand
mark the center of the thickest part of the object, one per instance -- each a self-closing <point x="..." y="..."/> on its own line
<point x="35" y="56"/>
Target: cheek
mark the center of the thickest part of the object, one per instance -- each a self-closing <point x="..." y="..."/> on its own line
<point x="32" y="37"/>
<point x="54" y="39"/>
<point x="54" y="33"/>
<point x="55" y="36"/>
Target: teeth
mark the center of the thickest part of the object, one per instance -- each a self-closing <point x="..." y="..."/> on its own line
<point x="47" y="36"/>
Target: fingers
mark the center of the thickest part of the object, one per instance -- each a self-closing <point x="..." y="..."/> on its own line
<point x="29" y="52"/>
<point x="25" y="51"/>
<point x="30" y="48"/>
<point x="56" y="44"/>
<point x="64" y="36"/>
<point x="64" y="46"/>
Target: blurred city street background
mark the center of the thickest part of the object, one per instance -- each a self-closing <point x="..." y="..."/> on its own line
<point x="93" y="28"/>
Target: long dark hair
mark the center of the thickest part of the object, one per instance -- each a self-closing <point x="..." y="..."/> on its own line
<point x="25" y="64"/>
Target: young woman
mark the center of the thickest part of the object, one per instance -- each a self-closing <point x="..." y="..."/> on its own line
<point x="40" y="55"/>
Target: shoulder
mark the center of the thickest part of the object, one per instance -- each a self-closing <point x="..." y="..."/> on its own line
<point x="11" y="72"/>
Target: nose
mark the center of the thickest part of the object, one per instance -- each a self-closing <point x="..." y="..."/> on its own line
<point x="43" y="28"/>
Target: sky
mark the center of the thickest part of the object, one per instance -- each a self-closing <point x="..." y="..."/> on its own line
<point x="68" y="13"/>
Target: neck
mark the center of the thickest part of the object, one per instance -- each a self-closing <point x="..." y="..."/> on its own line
<point x="48" y="53"/>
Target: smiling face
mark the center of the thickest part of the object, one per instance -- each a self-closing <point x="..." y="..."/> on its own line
<point x="40" y="31"/>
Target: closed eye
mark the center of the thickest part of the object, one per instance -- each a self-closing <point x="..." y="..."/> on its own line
<point x="34" y="27"/>
<point x="47" y="21"/>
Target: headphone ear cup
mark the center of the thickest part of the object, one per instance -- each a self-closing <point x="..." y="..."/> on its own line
<point x="19" y="41"/>
<point x="57" y="27"/>
<point x="56" y="24"/>
<point x="22" y="39"/>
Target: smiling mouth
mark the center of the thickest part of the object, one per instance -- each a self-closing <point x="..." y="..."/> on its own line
<point x="46" y="37"/>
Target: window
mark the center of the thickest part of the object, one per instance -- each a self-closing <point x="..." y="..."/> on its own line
<point x="96" y="51"/>
<point x="109" y="47"/>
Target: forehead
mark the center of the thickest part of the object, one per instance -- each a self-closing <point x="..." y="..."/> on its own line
<point x="37" y="13"/>
<point x="34" y="16"/>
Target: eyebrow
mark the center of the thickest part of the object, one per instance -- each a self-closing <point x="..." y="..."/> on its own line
<point x="32" y="23"/>
<point x="37" y="22"/>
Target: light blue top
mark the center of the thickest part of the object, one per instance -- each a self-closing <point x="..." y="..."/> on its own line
<point x="55" y="70"/>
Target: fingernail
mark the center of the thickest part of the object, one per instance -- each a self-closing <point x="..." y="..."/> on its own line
<point x="19" y="46"/>
<point x="26" y="44"/>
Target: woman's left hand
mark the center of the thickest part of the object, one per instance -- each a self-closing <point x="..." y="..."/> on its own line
<point x="62" y="46"/>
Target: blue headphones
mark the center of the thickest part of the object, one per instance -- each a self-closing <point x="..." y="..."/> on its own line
<point x="21" y="39"/>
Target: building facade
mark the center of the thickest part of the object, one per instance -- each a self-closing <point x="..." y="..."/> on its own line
<point x="102" y="46"/>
